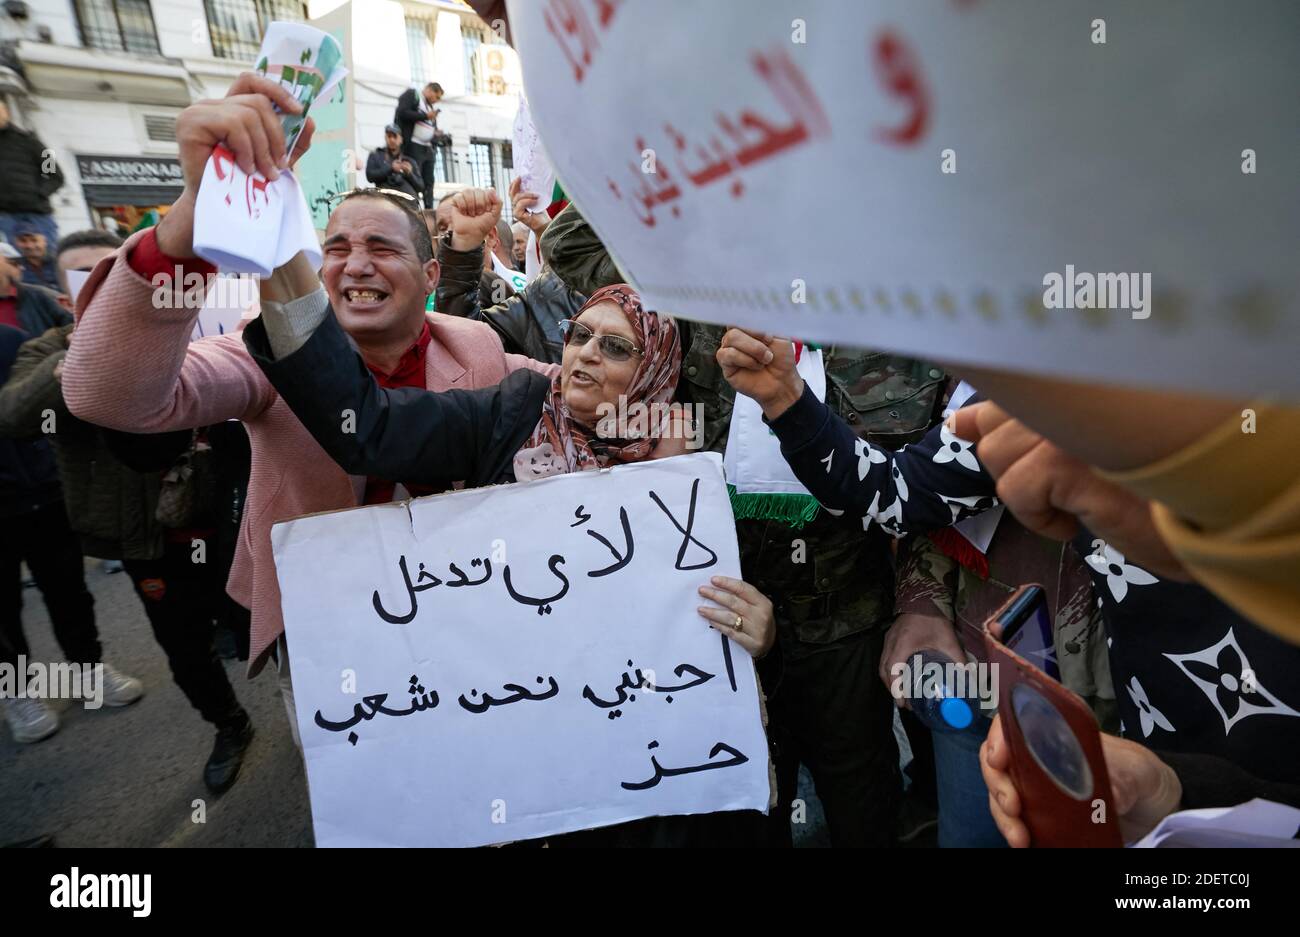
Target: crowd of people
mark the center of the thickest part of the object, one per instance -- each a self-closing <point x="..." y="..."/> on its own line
<point x="1165" y="545"/>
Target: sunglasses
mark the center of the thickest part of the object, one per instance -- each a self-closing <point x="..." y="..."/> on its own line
<point x="403" y="198"/>
<point x="613" y="347"/>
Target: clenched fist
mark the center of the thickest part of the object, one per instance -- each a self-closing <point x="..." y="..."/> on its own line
<point x="761" y="367"/>
<point x="474" y="212"/>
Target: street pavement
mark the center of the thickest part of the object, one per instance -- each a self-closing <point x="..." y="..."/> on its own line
<point x="131" y="776"/>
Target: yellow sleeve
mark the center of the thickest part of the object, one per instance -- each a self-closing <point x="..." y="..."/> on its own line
<point x="1228" y="506"/>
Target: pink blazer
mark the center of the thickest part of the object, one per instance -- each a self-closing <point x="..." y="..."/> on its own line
<point x="131" y="366"/>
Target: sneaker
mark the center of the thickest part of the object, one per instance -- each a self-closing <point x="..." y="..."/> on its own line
<point x="227" y="756"/>
<point x="30" y="720"/>
<point x="119" y="689"/>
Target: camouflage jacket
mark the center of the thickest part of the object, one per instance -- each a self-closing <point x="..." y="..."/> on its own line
<point x="931" y="583"/>
<point x="830" y="579"/>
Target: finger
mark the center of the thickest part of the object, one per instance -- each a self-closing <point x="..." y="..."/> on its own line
<point x="241" y="144"/>
<point x="763" y="337"/>
<point x="725" y="622"/>
<point x="1013" y="831"/>
<point x="515" y="183"/>
<point x="737" y="605"/>
<point x="253" y="83"/>
<point x="749" y="643"/>
<point x="1002" y="446"/>
<point x="738" y="360"/>
<point x="267" y="134"/>
<point x="748" y="344"/>
<point x="1026" y="491"/>
<point x="970" y="423"/>
<point x="737" y="587"/>
<point x="1001" y="789"/>
<point x="274" y="130"/>
<point x="996" y="744"/>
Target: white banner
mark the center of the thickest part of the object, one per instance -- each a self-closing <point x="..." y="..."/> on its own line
<point x="517" y="661"/>
<point x="1103" y="191"/>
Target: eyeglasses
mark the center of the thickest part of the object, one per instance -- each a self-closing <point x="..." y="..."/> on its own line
<point x="613" y="347"/>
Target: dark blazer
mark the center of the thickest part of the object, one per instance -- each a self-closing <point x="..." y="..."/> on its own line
<point x="38" y="309"/>
<point x="23" y="159"/>
<point x="29" y="477"/>
<point x="402" y="434"/>
<point x="408" y="114"/>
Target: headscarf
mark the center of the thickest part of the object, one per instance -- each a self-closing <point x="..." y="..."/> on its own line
<point x="561" y="444"/>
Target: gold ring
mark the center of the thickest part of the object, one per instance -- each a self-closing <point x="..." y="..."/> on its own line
<point x="740" y="623"/>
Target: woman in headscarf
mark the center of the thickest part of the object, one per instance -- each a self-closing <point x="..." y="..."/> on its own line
<point x="529" y="426"/>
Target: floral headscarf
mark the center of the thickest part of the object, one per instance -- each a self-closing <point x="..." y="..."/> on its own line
<point x="560" y="444"/>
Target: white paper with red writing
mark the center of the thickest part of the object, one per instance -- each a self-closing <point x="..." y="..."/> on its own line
<point x="789" y="166"/>
<point x="246" y="223"/>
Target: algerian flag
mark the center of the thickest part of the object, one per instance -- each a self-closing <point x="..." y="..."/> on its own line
<point x="513" y="277"/>
<point x="761" y="482"/>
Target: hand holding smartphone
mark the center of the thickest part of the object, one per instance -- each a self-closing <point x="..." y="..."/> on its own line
<point x="1056" y="756"/>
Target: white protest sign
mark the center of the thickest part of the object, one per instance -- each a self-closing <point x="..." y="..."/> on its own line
<point x="229" y="300"/>
<point x="76" y="280"/>
<point x="532" y="168"/>
<point x="518" y="661"/>
<point x="1105" y="193"/>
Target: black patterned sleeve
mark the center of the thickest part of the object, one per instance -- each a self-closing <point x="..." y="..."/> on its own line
<point x="930" y="484"/>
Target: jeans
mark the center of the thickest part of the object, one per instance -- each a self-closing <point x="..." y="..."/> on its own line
<point x="11" y="222"/>
<point x="964" y="817"/>
<point x="53" y="553"/>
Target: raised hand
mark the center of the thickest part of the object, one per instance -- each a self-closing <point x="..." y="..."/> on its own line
<point x="474" y="212"/>
<point x="761" y="367"/>
<point x="522" y="203"/>
<point x="1051" y="492"/>
<point x="246" y="121"/>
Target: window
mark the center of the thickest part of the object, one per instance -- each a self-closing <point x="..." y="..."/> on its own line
<point x="236" y="26"/>
<point x="480" y="164"/>
<point x="444" y="170"/>
<point x="118" y="26"/>
<point x="491" y="166"/>
<point x="473" y="37"/>
<point x="419" y="47"/>
<point x="160" y="128"/>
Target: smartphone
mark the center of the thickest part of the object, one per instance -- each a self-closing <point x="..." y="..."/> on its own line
<point x="1026" y="626"/>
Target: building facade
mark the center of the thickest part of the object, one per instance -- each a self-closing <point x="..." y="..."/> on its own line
<point x="101" y="82"/>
